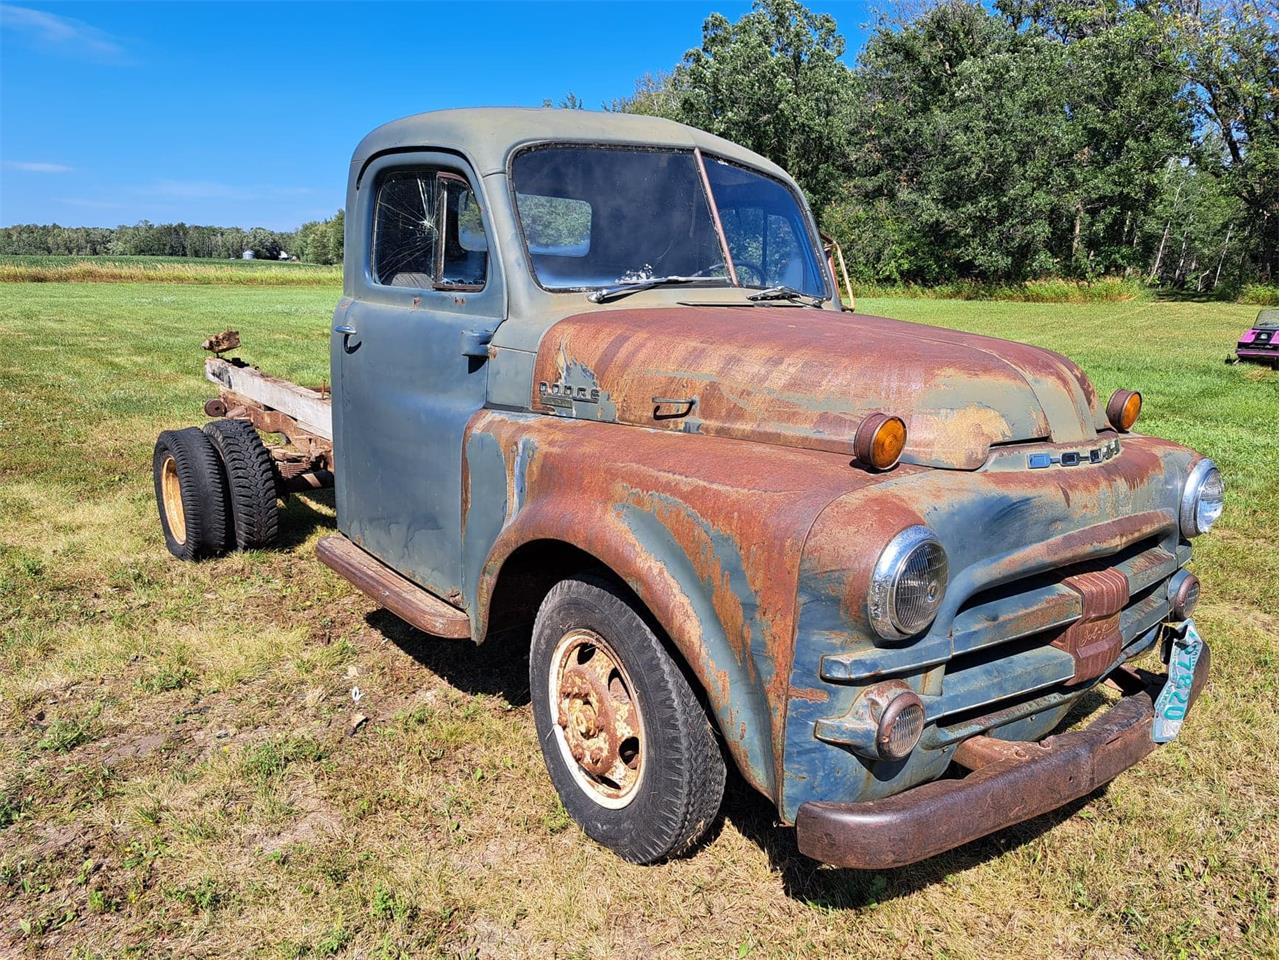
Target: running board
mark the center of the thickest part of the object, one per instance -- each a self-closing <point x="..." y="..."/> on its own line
<point x="408" y="601"/>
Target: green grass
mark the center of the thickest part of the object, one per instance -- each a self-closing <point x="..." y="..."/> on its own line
<point x="179" y="773"/>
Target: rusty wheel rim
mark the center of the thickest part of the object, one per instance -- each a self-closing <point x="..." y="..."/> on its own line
<point x="171" y="496"/>
<point x="596" y="718"/>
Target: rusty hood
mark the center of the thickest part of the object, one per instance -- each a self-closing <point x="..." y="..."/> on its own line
<point x="806" y="378"/>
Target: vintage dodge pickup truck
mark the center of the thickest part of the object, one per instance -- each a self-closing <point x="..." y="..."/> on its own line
<point x="592" y="379"/>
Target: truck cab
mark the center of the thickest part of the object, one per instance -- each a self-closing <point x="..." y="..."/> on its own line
<point x="592" y="382"/>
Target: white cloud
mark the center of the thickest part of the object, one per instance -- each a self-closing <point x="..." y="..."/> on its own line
<point x="30" y="166"/>
<point x="63" y="35"/>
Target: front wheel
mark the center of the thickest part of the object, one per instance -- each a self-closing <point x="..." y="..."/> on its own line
<point x="627" y="744"/>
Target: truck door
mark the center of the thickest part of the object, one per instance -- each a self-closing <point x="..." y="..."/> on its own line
<point x="409" y="357"/>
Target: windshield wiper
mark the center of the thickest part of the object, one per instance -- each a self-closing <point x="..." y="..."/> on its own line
<point x="628" y="287"/>
<point x="788" y="293"/>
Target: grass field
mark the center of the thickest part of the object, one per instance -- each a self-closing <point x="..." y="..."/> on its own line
<point x="179" y="775"/>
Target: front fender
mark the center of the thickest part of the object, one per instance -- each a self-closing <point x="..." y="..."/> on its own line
<point x="707" y="532"/>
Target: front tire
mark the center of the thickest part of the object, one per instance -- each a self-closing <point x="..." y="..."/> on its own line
<point x="627" y="744"/>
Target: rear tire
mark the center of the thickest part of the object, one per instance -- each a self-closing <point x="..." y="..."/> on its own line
<point x="628" y="746"/>
<point x="191" y="494"/>
<point x="251" y="482"/>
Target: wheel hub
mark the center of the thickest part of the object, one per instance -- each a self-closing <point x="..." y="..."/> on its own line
<point x="597" y="719"/>
<point x="171" y="496"/>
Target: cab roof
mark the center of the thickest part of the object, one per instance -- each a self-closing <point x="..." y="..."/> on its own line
<point x="487" y="136"/>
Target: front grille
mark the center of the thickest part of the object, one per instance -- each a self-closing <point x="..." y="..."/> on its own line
<point x="1002" y="638"/>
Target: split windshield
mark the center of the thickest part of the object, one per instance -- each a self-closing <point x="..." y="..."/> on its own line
<point x="596" y="216"/>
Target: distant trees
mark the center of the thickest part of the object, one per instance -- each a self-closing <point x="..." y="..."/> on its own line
<point x="1040" y="137"/>
<point x="1001" y="142"/>
<point x="319" y="241"/>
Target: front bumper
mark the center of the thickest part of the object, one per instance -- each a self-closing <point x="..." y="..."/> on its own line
<point x="1010" y="782"/>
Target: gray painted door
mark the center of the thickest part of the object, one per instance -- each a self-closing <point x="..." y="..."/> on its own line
<point x="404" y="388"/>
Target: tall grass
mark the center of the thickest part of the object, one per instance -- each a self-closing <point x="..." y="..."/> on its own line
<point x="1258" y="294"/>
<point x="1051" y="290"/>
<point x="164" y="270"/>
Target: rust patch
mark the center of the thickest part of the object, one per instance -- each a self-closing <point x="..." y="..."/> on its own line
<point x="707" y="531"/>
<point x="1095" y="639"/>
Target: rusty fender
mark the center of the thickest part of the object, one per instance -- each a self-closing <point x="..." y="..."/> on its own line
<point x="707" y="531"/>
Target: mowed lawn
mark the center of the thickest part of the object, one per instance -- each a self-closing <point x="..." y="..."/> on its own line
<point x="179" y="774"/>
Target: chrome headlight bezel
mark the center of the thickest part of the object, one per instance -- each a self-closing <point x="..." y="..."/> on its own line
<point x="1189" y="511"/>
<point x="882" y="598"/>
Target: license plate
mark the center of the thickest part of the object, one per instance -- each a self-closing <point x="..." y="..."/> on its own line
<point x="1174" y="700"/>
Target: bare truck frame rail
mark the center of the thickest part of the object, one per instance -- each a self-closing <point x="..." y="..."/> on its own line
<point x="302" y="415"/>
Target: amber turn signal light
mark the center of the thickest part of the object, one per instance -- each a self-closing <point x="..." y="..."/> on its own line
<point x="1123" y="409"/>
<point x="879" y="441"/>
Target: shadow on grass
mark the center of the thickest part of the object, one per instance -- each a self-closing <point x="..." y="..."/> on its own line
<point x="302" y="515"/>
<point x="835" y="888"/>
<point x="497" y="667"/>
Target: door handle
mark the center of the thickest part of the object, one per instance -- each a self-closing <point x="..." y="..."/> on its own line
<point x="475" y="343"/>
<point x="347" y="331"/>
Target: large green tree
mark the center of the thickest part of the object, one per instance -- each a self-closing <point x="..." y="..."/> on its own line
<point x="772" y="81"/>
<point x="1229" y="52"/>
<point x="994" y="146"/>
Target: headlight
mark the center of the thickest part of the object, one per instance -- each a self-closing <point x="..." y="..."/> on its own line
<point x="1201" y="498"/>
<point x="908" y="583"/>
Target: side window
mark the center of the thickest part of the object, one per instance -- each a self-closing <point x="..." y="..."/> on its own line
<point x="427" y="232"/>
<point x="764" y="247"/>
<point x="466" y="249"/>
<point x="744" y="232"/>
<point x="785" y="261"/>
<point x="405" y="231"/>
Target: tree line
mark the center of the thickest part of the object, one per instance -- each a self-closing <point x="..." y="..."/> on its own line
<point x="1033" y="138"/>
<point x="319" y="241"/>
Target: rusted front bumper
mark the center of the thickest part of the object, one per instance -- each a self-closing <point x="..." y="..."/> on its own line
<point x="1010" y="782"/>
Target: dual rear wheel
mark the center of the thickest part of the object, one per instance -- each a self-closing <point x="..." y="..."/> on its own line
<point x="216" y="489"/>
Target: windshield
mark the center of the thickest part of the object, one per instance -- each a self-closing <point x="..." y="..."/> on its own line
<point x="597" y="216"/>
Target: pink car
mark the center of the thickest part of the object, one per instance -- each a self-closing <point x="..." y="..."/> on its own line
<point x="1262" y="340"/>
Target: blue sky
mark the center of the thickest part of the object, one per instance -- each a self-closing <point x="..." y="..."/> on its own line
<point x="246" y="113"/>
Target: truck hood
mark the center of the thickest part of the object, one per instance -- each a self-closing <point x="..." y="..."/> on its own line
<point x="806" y="378"/>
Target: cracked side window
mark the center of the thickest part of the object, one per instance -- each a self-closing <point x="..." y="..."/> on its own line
<point x="406" y="236"/>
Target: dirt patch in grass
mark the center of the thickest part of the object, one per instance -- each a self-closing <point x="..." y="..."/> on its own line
<point x="180" y="775"/>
